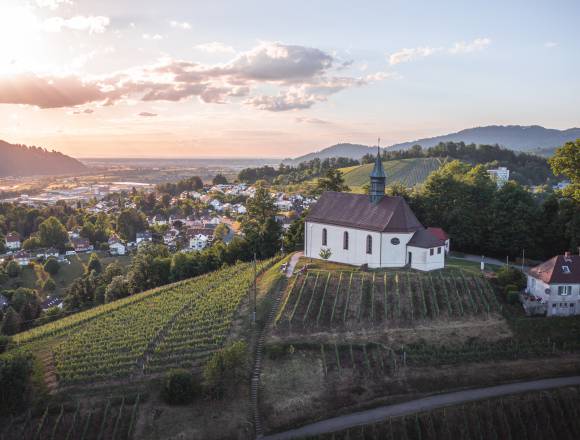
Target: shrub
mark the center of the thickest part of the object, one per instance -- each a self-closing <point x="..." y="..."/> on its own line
<point x="15" y="372"/>
<point x="179" y="387"/>
<point x="511" y="275"/>
<point x="4" y="342"/>
<point x="49" y="285"/>
<point x="52" y="266"/>
<point x="513" y="297"/>
<point x="510" y="288"/>
<point x="226" y="368"/>
<point x="13" y="269"/>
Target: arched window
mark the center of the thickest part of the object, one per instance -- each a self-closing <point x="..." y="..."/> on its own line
<point x="345" y="240"/>
<point x="324" y="237"/>
<point x="369" y="244"/>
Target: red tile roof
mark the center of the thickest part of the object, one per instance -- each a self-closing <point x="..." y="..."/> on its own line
<point x="12" y="237"/>
<point x="391" y="214"/>
<point x="553" y="272"/>
<point x="425" y="239"/>
<point x="439" y="233"/>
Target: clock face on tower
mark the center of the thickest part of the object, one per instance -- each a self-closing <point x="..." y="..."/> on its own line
<point x="395" y="241"/>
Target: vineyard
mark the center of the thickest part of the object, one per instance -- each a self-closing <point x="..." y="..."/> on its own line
<point x="534" y="416"/>
<point x="175" y="326"/>
<point x="409" y="172"/>
<point x="319" y="299"/>
<point x="114" y="419"/>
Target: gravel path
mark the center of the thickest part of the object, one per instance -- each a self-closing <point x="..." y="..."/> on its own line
<point x="424" y="404"/>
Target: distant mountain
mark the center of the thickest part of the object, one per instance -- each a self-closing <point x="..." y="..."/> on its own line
<point x="532" y="139"/>
<point x="20" y="160"/>
<point x="513" y="137"/>
<point x="352" y="151"/>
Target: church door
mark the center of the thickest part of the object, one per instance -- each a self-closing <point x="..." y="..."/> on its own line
<point x="410" y="258"/>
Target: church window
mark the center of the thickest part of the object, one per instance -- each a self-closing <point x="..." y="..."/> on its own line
<point x="369" y="244"/>
<point x="395" y="241"/>
<point x="431" y="251"/>
<point x="345" y="240"/>
<point x="438" y="250"/>
<point x="324" y="237"/>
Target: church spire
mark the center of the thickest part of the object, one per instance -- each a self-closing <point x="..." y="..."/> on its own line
<point x="378" y="178"/>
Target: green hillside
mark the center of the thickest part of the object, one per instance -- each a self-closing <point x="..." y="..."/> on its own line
<point x="178" y="325"/>
<point x="409" y="172"/>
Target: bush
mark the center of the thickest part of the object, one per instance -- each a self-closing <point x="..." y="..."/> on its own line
<point x="49" y="285"/>
<point x="179" y="387"/>
<point x="15" y="374"/>
<point x="513" y="297"/>
<point x="511" y="275"/>
<point x="226" y="368"/>
<point x="510" y="288"/>
<point x="4" y="342"/>
<point x="13" y="269"/>
<point x="52" y="266"/>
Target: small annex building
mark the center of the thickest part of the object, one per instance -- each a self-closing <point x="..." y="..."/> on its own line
<point x="375" y="229"/>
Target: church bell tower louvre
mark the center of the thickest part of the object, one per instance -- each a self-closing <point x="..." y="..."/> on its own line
<point x="378" y="177"/>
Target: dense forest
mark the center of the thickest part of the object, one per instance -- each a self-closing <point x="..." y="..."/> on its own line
<point x="20" y="160"/>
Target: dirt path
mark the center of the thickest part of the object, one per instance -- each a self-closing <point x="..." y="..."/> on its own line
<point x="292" y="263"/>
<point x="424" y="404"/>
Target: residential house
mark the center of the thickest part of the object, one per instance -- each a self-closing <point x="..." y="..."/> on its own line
<point x="199" y="242"/>
<point x="116" y="247"/>
<point x="553" y="287"/>
<point x="143" y="237"/>
<point x="23" y="258"/>
<point x="13" y="242"/>
<point x="50" y="302"/>
<point x="81" y="244"/>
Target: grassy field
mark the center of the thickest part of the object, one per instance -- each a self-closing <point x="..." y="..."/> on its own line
<point x="548" y="415"/>
<point x="409" y="172"/>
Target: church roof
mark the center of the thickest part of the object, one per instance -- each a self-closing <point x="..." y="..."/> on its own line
<point x="424" y="238"/>
<point x="390" y="214"/>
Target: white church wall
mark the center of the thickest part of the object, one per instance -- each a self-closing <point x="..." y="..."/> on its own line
<point x="423" y="260"/>
<point x="395" y="255"/>
<point x="355" y="254"/>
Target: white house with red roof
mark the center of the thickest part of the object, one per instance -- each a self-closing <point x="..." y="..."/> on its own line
<point x="13" y="242"/>
<point x="555" y="284"/>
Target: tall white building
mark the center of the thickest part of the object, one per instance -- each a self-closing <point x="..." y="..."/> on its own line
<point x="375" y="229"/>
<point x="500" y="175"/>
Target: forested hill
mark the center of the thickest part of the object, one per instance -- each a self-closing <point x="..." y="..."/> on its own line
<point x="20" y="160"/>
<point x="532" y="139"/>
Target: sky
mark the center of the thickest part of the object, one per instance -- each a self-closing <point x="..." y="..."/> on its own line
<point x="187" y="78"/>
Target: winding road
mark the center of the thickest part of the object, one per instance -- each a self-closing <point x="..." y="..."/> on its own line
<point x="424" y="404"/>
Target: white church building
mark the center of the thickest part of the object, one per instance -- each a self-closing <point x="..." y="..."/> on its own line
<point x="375" y="229"/>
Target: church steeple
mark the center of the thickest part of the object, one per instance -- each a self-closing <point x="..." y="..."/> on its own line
<point x="378" y="177"/>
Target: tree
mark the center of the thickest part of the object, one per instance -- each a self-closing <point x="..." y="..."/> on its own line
<point x="118" y="288"/>
<point x="13" y="269"/>
<point x="294" y="236"/>
<point x="52" y="266"/>
<point x="2" y="243"/>
<point x="5" y="342"/>
<point x="15" y="381"/>
<point x="226" y="368"/>
<point x="11" y="322"/>
<point x="49" y="285"/>
<point x="332" y="181"/>
<point x="220" y="232"/>
<point x="220" y="179"/>
<point x="52" y="233"/>
<point x="566" y="162"/>
<point x="129" y="222"/>
<point x="111" y="271"/>
<point x="259" y="224"/>
<point x="179" y="387"/>
<point x="31" y="243"/>
<point x="94" y="264"/>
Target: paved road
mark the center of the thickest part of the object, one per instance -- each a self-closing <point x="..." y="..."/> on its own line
<point x="487" y="260"/>
<point x="292" y="263"/>
<point x="414" y="406"/>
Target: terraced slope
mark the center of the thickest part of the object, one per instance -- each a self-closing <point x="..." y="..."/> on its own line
<point x="409" y="172"/>
<point x="177" y="325"/>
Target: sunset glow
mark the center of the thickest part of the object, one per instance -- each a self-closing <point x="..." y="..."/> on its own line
<point x="145" y="78"/>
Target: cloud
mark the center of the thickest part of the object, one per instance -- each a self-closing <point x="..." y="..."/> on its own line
<point x="215" y="47"/>
<point x="470" y="46"/>
<point x="314" y="121"/>
<point x="180" y="24"/>
<point x="52" y="4"/>
<point x="410" y="54"/>
<point x="303" y="76"/>
<point x="48" y="92"/>
<point x="550" y="44"/>
<point x="147" y="114"/>
<point x="86" y="111"/>
<point x="92" y="24"/>
<point x="152" y="37"/>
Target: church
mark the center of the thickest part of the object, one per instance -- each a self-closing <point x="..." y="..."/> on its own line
<point x="375" y="229"/>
